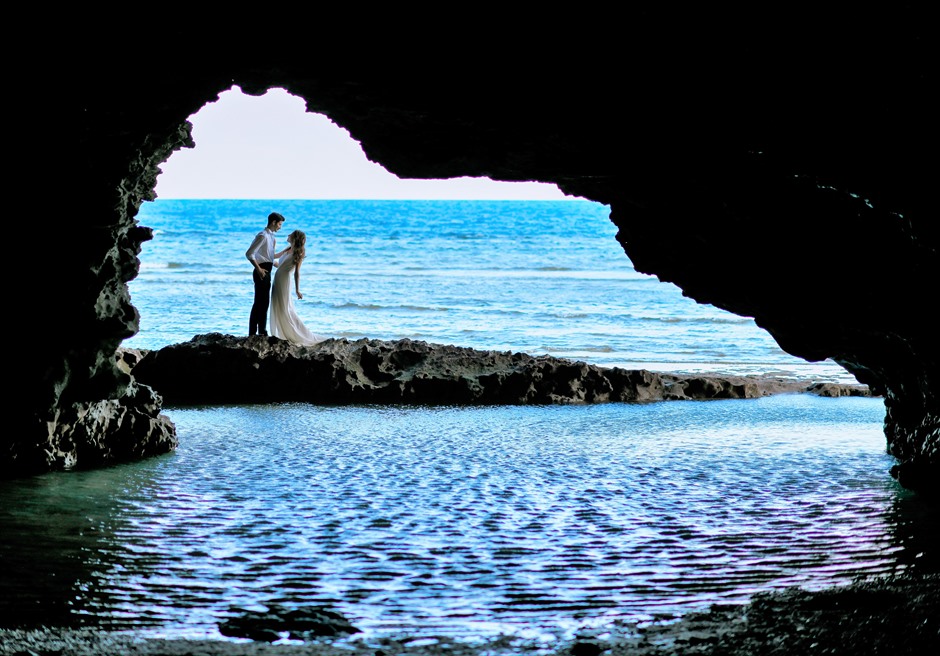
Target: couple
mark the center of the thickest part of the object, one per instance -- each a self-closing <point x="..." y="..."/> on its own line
<point x="285" y="323"/>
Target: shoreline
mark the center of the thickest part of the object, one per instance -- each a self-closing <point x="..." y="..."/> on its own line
<point x="897" y="615"/>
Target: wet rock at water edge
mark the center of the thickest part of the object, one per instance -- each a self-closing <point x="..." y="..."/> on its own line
<point x="217" y="368"/>
<point x="277" y="622"/>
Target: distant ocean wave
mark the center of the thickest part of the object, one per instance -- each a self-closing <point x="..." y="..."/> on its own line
<point x="520" y="272"/>
<point x="374" y="306"/>
<point x="196" y="236"/>
<point x="566" y="315"/>
<point x="464" y="235"/>
<point x="195" y="265"/>
<point x="581" y="349"/>
<point x="730" y="319"/>
<point x="360" y="306"/>
<point x="379" y="307"/>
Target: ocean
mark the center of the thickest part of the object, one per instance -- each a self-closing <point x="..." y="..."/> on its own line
<point x="540" y="522"/>
<point x="540" y="277"/>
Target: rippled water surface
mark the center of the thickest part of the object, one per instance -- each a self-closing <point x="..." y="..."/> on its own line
<point x="533" y="521"/>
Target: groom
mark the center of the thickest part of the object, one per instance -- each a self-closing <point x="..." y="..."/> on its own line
<point x="261" y="256"/>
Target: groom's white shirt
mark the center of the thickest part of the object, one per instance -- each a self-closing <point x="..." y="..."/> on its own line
<point x="262" y="248"/>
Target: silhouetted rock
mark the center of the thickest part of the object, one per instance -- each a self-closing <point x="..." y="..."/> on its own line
<point x="219" y="369"/>
<point x="278" y="622"/>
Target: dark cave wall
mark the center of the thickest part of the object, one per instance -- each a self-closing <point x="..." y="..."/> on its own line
<point x="779" y="184"/>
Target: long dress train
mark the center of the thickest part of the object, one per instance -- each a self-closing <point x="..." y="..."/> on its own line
<point x="284" y="320"/>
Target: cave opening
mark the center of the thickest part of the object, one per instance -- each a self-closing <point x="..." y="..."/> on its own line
<point x="662" y="476"/>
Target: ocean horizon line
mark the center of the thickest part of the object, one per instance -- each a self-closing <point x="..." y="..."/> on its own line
<point x="383" y="199"/>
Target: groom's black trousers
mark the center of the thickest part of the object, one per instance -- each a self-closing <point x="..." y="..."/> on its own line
<point x="258" y="320"/>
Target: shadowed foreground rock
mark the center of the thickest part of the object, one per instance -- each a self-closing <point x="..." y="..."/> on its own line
<point x="219" y="369"/>
<point x="275" y="622"/>
<point x="892" y="616"/>
<point x="89" y="434"/>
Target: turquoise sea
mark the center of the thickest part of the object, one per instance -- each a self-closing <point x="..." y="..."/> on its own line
<point x="541" y="277"/>
<point x="540" y="522"/>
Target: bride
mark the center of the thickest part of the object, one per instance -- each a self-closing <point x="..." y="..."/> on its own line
<point x="285" y="323"/>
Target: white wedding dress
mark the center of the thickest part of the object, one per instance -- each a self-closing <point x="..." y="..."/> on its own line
<point x="284" y="320"/>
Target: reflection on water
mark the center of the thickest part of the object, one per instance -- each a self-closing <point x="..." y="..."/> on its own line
<point x="465" y="521"/>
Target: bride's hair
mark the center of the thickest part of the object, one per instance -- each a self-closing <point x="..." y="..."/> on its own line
<point x="298" y="246"/>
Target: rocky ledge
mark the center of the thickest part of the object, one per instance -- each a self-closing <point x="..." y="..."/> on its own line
<point x="219" y="369"/>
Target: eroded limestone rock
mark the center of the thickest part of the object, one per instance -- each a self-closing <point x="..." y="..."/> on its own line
<point x="217" y="368"/>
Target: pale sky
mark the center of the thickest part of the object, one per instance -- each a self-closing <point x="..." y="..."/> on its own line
<point x="270" y="147"/>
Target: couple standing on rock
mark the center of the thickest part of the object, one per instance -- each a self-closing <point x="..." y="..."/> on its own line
<point x="285" y="323"/>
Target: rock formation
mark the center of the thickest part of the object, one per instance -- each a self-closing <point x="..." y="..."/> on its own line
<point x="770" y="165"/>
<point x="272" y="623"/>
<point x="215" y="369"/>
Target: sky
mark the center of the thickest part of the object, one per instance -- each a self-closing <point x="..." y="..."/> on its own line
<point x="259" y="147"/>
